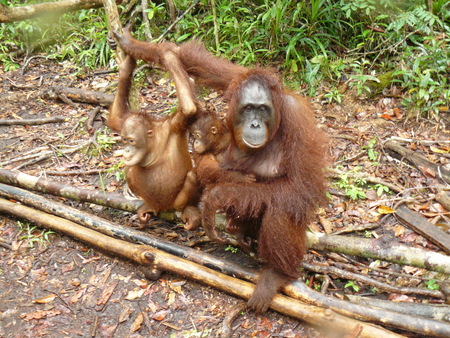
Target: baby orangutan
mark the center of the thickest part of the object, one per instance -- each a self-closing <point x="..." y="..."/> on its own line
<point x="211" y="138"/>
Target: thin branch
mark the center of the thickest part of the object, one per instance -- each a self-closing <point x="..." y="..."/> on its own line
<point x="176" y="21"/>
<point x="32" y="122"/>
<point x="323" y="269"/>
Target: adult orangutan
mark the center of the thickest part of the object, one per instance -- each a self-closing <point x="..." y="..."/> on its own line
<point x="274" y="137"/>
<point x="157" y="162"/>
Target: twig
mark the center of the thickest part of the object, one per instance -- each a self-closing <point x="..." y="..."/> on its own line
<point x="323" y="269"/>
<point x="172" y="10"/>
<point x="216" y="28"/>
<point x="226" y="328"/>
<point x="90" y="120"/>
<point x="176" y="21"/>
<point x="334" y="173"/>
<point x="76" y="172"/>
<point x="47" y="155"/>
<point x="387" y="272"/>
<point x="15" y="85"/>
<point x="27" y="62"/>
<point x="5" y="244"/>
<point x="413" y="140"/>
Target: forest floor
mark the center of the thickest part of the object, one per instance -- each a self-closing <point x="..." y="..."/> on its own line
<point x="54" y="286"/>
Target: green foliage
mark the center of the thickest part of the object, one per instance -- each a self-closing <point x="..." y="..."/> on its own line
<point x="334" y="95"/>
<point x="381" y="189"/>
<point x="118" y="170"/>
<point x="352" y="285"/>
<point x="414" y="41"/>
<point x="80" y="36"/>
<point x="33" y="234"/>
<point x="371" y="152"/>
<point x="231" y="248"/>
<point x="431" y="284"/>
<point x="352" y="187"/>
<point x="424" y="75"/>
<point x="105" y="140"/>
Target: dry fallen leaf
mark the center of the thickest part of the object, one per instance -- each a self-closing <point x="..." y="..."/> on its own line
<point x="137" y="324"/>
<point x="400" y="298"/>
<point x="134" y="294"/>
<point x="399" y="230"/>
<point x="40" y="314"/>
<point x="125" y="314"/>
<point x="384" y="210"/>
<point x="171" y="299"/>
<point x="45" y="300"/>
<point x="160" y="315"/>
<point x="106" y="294"/>
<point x="440" y="150"/>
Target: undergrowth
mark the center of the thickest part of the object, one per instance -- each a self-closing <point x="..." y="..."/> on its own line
<point x="316" y="44"/>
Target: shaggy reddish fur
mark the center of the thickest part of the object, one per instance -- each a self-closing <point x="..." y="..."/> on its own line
<point x="290" y="184"/>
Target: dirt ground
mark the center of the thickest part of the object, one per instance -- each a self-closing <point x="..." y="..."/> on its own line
<point x="53" y="286"/>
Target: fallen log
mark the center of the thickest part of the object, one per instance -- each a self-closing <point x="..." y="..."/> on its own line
<point x="419" y="224"/>
<point x="296" y="290"/>
<point x="122" y="232"/>
<point x="356" y="246"/>
<point x="34" y="183"/>
<point x="151" y="257"/>
<point x="419" y="160"/>
<point x="433" y="311"/>
<point x="77" y="94"/>
<point x="382" y="248"/>
<point x="32" y="122"/>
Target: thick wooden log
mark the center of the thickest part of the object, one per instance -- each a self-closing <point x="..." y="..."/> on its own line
<point x="148" y="256"/>
<point x="297" y="290"/>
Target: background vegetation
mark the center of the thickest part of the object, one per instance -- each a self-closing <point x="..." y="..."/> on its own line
<point x="317" y="44"/>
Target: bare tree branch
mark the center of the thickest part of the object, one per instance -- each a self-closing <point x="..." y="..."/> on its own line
<point x="11" y="14"/>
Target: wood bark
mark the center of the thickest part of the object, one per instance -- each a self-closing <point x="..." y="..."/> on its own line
<point x="433" y="311"/>
<point x="34" y="183"/>
<point x="77" y="94"/>
<point x="11" y="14"/>
<point x="145" y="255"/>
<point x="419" y="224"/>
<point x="381" y="248"/>
<point x="112" y="14"/>
<point x="297" y="290"/>
<point x="32" y="122"/>
<point x="443" y="198"/>
<point x="419" y="160"/>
